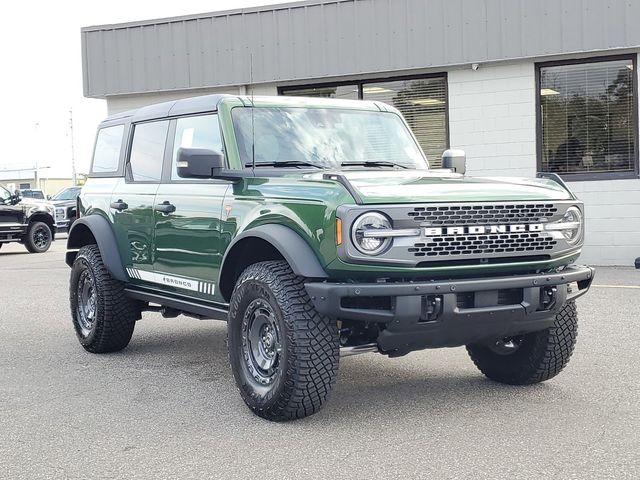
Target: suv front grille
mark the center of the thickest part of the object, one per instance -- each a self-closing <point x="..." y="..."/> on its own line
<point x="447" y="246"/>
<point x="458" y="234"/>
<point x="456" y="215"/>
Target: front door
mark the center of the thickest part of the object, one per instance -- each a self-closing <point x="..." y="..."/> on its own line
<point x="132" y="201"/>
<point x="187" y="216"/>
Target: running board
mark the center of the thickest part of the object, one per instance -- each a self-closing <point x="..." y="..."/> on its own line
<point x="358" y="349"/>
<point x="207" y="311"/>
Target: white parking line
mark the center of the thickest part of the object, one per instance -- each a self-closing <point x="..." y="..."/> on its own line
<point x="617" y="286"/>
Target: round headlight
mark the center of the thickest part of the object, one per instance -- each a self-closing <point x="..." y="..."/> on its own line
<point x="363" y="233"/>
<point x="573" y="219"/>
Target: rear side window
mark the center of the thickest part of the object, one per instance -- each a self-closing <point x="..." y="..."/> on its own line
<point x="106" y="155"/>
<point x="147" y="151"/>
<point x="196" y="132"/>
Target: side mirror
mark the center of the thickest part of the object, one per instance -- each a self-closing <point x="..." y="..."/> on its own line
<point x="455" y="160"/>
<point x="199" y="163"/>
<point x="16" y="197"/>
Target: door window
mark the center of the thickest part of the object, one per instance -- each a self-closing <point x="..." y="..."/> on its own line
<point x="5" y="196"/>
<point x="196" y="132"/>
<point x="147" y="151"/>
<point x="106" y="155"/>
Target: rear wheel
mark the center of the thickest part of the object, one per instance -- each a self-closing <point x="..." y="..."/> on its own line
<point x="284" y="355"/>
<point x="531" y="358"/>
<point x="103" y="316"/>
<point x="39" y="237"/>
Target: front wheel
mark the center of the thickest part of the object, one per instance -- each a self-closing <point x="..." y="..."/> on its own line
<point x="530" y="358"/>
<point x="284" y="355"/>
<point x="39" y="237"/>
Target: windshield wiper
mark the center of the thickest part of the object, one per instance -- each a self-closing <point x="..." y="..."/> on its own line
<point x="286" y="163"/>
<point x="373" y="163"/>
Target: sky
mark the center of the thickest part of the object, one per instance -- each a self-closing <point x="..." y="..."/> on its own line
<point x="41" y="75"/>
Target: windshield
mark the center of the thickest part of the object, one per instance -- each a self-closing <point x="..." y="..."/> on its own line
<point x="325" y="137"/>
<point x="37" y="194"/>
<point x="67" y="194"/>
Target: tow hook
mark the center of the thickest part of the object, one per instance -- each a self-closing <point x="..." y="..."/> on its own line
<point x="431" y="308"/>
<point x="548" y="297"/>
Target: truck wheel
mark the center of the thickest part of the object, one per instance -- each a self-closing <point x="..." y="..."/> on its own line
<point x="531" y="358"/>
<point x="103" y="316"/>
<point x="38" y="239"/>
<point x="284" y="355"/>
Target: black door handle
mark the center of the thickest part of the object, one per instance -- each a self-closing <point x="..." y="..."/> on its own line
<point x="119" y="205"/>
<point x="165" y="207"/>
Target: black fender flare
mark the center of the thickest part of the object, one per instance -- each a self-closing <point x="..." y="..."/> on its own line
<point x="293" y="248"/>
<point x="105" y="238"/>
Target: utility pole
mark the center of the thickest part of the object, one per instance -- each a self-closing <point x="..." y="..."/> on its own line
<point x="36" y="172"/>
<point x="73" y="156"/>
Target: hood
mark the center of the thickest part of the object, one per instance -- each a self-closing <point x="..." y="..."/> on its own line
<point x="63" y="203"/>
<point x="416" y="186"/>
<point x="36" y="203"/>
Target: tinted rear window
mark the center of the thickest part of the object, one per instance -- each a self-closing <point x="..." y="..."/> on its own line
<point x="107" y="153"/>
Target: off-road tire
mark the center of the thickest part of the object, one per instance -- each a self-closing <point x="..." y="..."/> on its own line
<point x="310" y="348"/>
<point x="541" y="355"/>
<point x="30" y="239"/>
<point x="115" y="313"/>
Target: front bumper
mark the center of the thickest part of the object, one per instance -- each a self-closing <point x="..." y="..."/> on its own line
<point x="62" y="225"/>
<point x="448" y="313"/>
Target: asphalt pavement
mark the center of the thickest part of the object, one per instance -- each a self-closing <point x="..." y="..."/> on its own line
<point x="167" y="406"/>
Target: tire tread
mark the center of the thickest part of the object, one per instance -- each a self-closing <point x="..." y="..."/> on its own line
<point x="314" y="353"/>
<point x="546" y="355"/>
<point x="116" y="313"/>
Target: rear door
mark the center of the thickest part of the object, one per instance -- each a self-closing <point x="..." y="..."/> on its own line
<point x="187" y="215"/>
<point x="132" y="200"/>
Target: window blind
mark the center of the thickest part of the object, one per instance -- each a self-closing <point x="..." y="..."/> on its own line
<point x="423" y="103"/>
<point x="587" y="117"/>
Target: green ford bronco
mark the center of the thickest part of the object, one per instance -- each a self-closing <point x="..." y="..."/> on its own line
<point x="316" y="229"/>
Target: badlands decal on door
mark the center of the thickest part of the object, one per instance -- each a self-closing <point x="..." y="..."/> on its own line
<point x="172" y="280"/>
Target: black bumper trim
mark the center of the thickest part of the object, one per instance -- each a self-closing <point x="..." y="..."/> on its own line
<point x="406" y="329"/>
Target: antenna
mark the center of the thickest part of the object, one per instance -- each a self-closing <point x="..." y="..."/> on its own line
<point x="253" y="124"/>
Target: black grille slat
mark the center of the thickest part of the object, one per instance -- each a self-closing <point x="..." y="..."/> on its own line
<point x="459" y="215"/>
<point x="504" y="243"/>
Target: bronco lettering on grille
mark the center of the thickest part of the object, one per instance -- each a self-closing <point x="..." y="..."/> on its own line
<point x="483" y="229"/>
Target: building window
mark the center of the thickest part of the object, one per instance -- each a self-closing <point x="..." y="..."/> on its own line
<point x="422" y="101"/>
<point x="587" y="118"/>
<point x="345" y="92"/>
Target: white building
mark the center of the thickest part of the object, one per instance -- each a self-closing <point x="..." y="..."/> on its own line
<point x="521" y="85"/>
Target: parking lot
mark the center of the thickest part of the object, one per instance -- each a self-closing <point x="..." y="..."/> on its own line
<point x="167" y="406"/>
